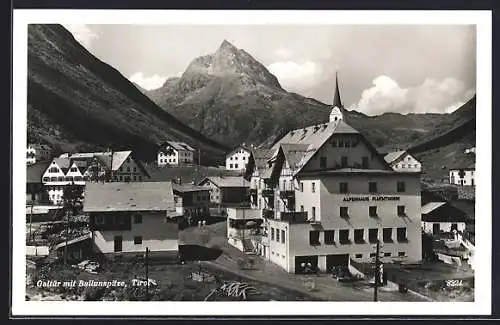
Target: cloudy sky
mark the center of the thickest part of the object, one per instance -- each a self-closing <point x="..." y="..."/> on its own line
<point x="382" y="68"/>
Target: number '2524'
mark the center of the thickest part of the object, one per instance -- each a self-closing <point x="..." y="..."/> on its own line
<point x="454" y="283"/>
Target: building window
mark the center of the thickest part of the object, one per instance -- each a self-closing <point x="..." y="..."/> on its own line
<point x="344" y="237"/>
<point x="301" y="208"/>
<point x="137" y="240"/>
<point x="322" y="162"/>
<point x="373" y="254"/>
<point x="135" y="169"/>
<point x="135" y="178"/>
<point x="282" y="236"/>
<point x="401" y="210"/>
<point x="358" y="236"/>
<point x="359" y="255"/>
<point x="372" y="187"/>
<point x="120" y="169"/>
<point x="372" y="211"/>
<point x="329" y="237"/>
<point x="314" y="237"/>
<point x="278" y="235"/>
<point x="99" y="220"/>
<point x="137" y="218"/>
<point x="140" y="178"/>
<point x="401" y="187"/>
<point x="373" y="235"/>
<point x="53" y="170"/>
<point x="364" y="162"/>
<point x="313" y="213"/>
<point x="387" y="235"/>
<point x="301" y="186"/>
<point x="343" y="162"/>
<point x="401" y="234"/>
<point x="344" y="212"/>
<point x="387" y="254"/>
<point x="235" y="165"/>
<point x="334" y="143"/>
<point x="313" y="187"/>
<point x="343" y="187"/>
<point x="73" y="169"/>
<point x="230" y="165"/>
<point x="347" y="144"/>
<point x="401" y="254"/>
<point x="121" y="178"/>
<point x="341" y="144"/>
<point x="272" y="233"/>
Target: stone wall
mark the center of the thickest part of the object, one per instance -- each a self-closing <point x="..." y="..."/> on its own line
<point x="466" y="192"/>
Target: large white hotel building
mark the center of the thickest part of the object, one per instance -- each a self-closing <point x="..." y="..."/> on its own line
<point x="323" y="195"/>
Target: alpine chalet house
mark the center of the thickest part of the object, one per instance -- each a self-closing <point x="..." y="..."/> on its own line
<point x="327" y="196"/>
<point x="191" y="201"/>
<point x="128" y="217"/>
<point x="237" y="159"/>
<point x="442" y="217"/>
<point x="79" y="168"/>
<point x="173" y="153"/>
<point x="463" y="176"/>
<point x="37" y="153"/>
<point x="226" y="191"/>
<point x="403" y="161"/>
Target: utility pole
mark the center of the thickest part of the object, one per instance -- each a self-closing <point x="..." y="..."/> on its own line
<point x="66" y="241"/>
<point x="147" y="274"/>
<point x="377" y="275"/>
<point x="31" y="219"/>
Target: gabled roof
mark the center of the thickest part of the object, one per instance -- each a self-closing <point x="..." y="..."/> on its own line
<point x="260" y="157"/>
<point x="431" y="206"/>
<point x="177" y="146"/>
<point x="241" y="146"/>
<point x="133" y="196"/>
<point x="119" y="158"/>
<point x="393" y="156"/>
<point x="184" y="188"/>
<point x="63" y="163"/>
<point x="227" y="181"/>
<point x="443" y="212"/>
<point x="294" y="152"/>
<point x="315" y="137"/>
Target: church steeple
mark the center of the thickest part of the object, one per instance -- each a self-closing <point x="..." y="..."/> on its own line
<point x="336" y="113"/>
<point x="336" y="97"/>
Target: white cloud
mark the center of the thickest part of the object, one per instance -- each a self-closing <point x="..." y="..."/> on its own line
<point x="82" y="33"/>
<point x="283" y="53"/>
<point x="432" y="96"/>
<point x="147" y="82"/>
<point x="297" y="77"/>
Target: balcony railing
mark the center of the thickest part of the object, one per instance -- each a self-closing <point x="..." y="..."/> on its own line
<point x="268" y="192"/>
<point x="286" y="193"/>
<point x="294" y="217"/>
<point x="268" y="214"/>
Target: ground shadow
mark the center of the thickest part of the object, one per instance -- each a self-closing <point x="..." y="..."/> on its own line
<point x="198" y="253"/>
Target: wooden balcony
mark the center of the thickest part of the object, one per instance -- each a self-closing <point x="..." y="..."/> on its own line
<point x="294" y="217"/>
<point x="268" y="214"/>
<point x="287" y="194"/>
<point x="268" y="193"/>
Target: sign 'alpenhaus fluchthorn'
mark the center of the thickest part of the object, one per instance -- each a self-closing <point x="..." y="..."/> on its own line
<point x="372" y="198"/>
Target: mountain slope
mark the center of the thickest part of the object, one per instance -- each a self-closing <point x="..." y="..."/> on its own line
<point x="75" y="100"/>
<point x="231" y="97"/>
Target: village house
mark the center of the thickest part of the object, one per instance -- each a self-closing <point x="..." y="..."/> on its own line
<point x="80" y="168"/>
<point x="463" y="176"/>
<point x="226" y="191"/>
<point x="326" y="197"/>
<point x="191" y="201"/>
<point x="128" y="217"/>
<point x="37" y="153"/>
<point x="402" y="161"/>
<point x="35" y="192"/>
<point x="237" y="159"/>
<point x="441" y="217"/>
<point x="174" y="153"/>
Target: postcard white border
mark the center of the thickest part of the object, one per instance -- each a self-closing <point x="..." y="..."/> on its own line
<point x="482" y="303"/>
